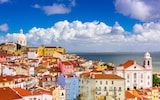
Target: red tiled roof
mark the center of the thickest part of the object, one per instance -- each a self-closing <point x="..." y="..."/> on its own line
<point x="127" y="64"/>
<point x="22" y="92"/>
<point x="106" y="76"/>
<point x="95" y="70"/>
<point x="159" y="89"/>
<point x="6" y="78"/>
<point x="6" y="93"/>
<point x="66" y="63"/>
<point x="129" y="95"/>
<point x="42" y="91"/>
<point x="4" y="55"/>
<point x="86" y="74"/>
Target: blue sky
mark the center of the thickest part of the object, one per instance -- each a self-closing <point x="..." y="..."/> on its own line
<point x="83" y="25"/>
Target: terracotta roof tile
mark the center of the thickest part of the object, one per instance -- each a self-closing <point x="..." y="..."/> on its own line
<point x="127" y="64"/>
<point x="6" y="93"/>
<point x="22" y="92"/>
<point x="6" y="78"/>
<point x="106" y="76"/>
<point x="66" y="63"/>
<point x="129" y="95"/>
<point x="86" y="74"/>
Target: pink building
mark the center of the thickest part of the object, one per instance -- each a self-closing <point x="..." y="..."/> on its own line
<point x="66" y="67"/>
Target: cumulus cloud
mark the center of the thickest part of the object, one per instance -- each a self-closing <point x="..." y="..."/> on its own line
<point x="56" y="8"/>
<point x="98" y="36"/>
<point x="4" y="27"/>
<point x="148" y="32"/>
<point x="117" y="29"/>
<point x="3" y="1"/>
<point x="143" y="10"/>
<point x="93" y="36"/>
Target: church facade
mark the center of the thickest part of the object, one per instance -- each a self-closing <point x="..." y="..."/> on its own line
<point x="136" y="76"/>
<point x="21" y="39"/>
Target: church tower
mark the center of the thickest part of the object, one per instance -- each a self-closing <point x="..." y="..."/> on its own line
<point x="147" y="61"/>
<point x="21" y="38"/>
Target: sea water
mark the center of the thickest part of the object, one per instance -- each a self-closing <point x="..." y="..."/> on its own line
<point x="121" y="57"/>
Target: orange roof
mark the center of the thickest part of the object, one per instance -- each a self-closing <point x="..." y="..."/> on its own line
<point x="6" y="78"/>
<point x="22" y="92"/>
<point x="154" y="88"/>
<point x="11" y="78"/>
<point x="95" y="70"/>
<point x="86" y="74"/>
<point x="127" y="64"/>
<point x="6" y="93"/>
<point x="148" y="90"/>
<point x="106" y="76"/>
<point x="2" y="55"/>
<point x="129" y="95"/>
<point x="42" y="91"/>
<point x="159" y="89"/>
<point x="66" y="63"/>
<point x="20" y="76"/>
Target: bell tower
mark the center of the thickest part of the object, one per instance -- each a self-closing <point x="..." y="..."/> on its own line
<point x="147" y="61"/>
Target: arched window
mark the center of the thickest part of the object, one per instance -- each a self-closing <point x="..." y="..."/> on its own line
<point x="148" y="63"/>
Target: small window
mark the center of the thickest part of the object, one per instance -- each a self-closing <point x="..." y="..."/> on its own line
<point x="134" y="67"/>
<point x="135" y="75"/>
<point x="100" y="82"/>
<point x="120" y="89"/>
<point x="128" y="76"/>
<point x="3" y="83"/>
<point x="106" y="82"/>
<point x="112" y="82"/>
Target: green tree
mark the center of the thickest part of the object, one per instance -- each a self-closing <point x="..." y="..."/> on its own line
<point x="18" y="46"/>
<point x="156" y="80"/>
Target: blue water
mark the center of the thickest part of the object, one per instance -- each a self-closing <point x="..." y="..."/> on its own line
<point x="122" y="57"/>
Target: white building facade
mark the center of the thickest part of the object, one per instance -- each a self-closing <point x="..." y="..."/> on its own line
<point x="136" y="76"/>
<point x="21" y="38"/>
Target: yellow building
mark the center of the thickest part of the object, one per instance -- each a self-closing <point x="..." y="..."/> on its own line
<point x="101" y="67"/>
<point x="58" y="93"/>
<point x="49" y="50"/>
<point x="155" y="93"/>
<point x="6" y="81"/>
<point x="60" y="50"/>
<point x="33" y="49"/>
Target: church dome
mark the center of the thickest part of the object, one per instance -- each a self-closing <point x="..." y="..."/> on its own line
<point x="21" y="36"/>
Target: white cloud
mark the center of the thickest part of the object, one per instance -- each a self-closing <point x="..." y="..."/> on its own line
<point x="36" y="6"/>
<point x="4" y="27"/>
<point x="94" y="36"/>
<point x="143" y="10"/>
<point x="148" y="32"/>
<point x="117" y="29"/>
<point x="56" y="8"/>
<point x="3" y="1"/>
